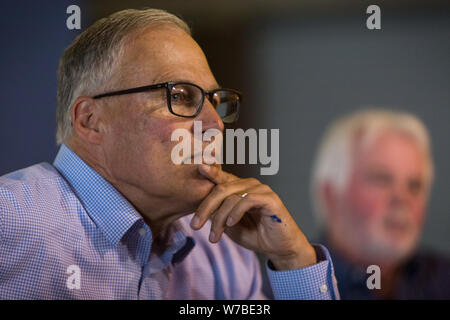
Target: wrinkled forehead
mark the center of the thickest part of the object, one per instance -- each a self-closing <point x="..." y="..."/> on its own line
<point x="163" y="53"/>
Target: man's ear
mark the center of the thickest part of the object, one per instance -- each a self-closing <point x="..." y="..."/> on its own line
<point x="86" y="120"/>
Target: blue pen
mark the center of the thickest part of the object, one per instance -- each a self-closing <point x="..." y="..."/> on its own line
<point x="275" y="218"/>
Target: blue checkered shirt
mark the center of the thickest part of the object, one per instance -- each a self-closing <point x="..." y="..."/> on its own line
<point x="66" y="233"/>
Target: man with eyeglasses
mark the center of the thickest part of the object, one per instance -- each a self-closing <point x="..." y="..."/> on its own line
<point x="113" y="217"/>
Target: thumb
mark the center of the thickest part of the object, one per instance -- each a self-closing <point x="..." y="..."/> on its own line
<point x="215" y="174"/>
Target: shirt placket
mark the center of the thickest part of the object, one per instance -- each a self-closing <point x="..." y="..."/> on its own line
<point x="156" y="272"/>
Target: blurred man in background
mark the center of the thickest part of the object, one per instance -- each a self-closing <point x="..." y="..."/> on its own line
<point x="370" y="185"/>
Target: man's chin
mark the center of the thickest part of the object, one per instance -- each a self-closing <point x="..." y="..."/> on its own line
<point x="201" y="188"/>
<point x="198" y="189"/>
<point x="395" y="251"/>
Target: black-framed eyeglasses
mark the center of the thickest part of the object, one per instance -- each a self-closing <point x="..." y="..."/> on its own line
<point x="185" y="99"/>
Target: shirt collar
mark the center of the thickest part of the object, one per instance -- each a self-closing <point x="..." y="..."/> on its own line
<point x="106" y="206"/>
<point x="110" y="210"/>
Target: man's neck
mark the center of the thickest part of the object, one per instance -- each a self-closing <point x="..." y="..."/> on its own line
<point x="156" y="211"/>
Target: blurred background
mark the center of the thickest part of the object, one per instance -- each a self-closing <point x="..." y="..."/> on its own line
<point x="300" y="64"/>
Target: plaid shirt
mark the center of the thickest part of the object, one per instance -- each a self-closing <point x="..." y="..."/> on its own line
<point x="67" y="233"/>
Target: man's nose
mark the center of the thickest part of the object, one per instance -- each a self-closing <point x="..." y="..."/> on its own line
<point x="399" y="196"/>
<point x="210" y="118"/>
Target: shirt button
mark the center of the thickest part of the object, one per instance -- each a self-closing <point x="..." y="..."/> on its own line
<point x="323" y="288"/>
<point x="142" y="231"/>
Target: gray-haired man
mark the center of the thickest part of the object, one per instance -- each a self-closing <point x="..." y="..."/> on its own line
<point x="371" y="183"/>
<point x="111" y="218"/>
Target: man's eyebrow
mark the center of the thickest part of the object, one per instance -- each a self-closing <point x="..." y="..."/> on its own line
<point x="214" y="87"/>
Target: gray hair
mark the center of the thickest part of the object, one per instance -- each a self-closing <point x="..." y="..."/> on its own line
<point x="333" y="162"/>
<point x="89" y="63"/>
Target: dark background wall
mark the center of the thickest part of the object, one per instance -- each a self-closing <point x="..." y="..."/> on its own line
<point x="299" y="64"/>
<point x="33" y="36"/>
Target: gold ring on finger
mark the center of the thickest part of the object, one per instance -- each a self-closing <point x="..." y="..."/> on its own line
<point x="242" y="194"/>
